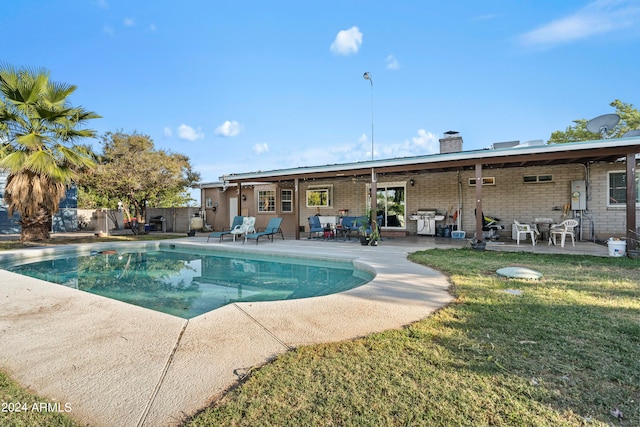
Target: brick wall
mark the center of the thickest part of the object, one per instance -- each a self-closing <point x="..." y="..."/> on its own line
<point x="509" y="199"/>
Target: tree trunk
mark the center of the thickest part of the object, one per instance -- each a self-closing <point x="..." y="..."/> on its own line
<point x="35" y="231"/>
<point x="37" y="227"/>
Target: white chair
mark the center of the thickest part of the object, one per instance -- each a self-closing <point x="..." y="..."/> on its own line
<point x="564" y="229"/>
<point x="524" y="229"/>
<point x="248" y="226"/>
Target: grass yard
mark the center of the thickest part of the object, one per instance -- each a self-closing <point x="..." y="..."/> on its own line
<point x="565" y="351"/>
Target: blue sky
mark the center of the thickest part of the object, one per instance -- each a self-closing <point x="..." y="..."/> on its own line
<point x="250" y="85"/>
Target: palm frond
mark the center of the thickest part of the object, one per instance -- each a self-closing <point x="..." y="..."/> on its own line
<point x="31" y="141"/>
<point x="42" y="162"/>
<point x="14" y="160"/>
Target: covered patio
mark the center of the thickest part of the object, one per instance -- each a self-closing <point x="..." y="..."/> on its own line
<point x="477" y="164"/>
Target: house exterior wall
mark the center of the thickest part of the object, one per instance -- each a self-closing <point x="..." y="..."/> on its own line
<point x="509" y="199"/>
<point x="222" y="199"/>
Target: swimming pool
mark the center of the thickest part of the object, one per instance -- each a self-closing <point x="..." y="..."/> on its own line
<point x="186" y="283"/>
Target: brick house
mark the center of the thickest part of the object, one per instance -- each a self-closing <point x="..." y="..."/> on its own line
<point x="521" y="182"/>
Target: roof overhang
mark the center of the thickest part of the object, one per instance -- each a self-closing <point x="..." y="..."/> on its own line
<point x="609" y="150"/>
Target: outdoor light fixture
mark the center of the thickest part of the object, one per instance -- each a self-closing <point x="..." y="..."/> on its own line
<point x="244" y="198"/>
<point x="412" y="182"/>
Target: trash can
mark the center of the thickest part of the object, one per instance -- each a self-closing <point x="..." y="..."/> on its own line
<point x="617" y="247"/>
<point x="147" y="227"/>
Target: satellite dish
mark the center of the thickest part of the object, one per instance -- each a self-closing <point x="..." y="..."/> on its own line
<point x="603" y="124"/>
<point x="630" y="133"/>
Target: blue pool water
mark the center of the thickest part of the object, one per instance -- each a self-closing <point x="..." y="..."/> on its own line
<point x="187" y="284"/>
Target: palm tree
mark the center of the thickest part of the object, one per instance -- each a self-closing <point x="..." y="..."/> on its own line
<point x="38" y="128"/>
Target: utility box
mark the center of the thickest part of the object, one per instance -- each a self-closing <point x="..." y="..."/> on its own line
<point x="578" y="195"/>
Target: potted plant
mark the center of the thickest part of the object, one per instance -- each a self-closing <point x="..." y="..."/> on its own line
<point x="369" y="235"/>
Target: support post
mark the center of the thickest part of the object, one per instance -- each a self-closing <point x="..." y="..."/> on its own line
<point x="631" y="201"/>
<point x="478" y="201"/>
<point x="296" y="183"/>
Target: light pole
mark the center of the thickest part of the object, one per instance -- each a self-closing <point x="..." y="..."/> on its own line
<point x="374" y="189"/>
<point x="367" y="76"/>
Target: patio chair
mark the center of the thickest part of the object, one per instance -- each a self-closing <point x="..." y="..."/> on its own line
<point x="248" y="226"/>
<point x="524" y="229"/>
<point x="237" y="222"/>
<point x="315" y="226"/>
<point x="564" y="229"/>
<point x="273" y="227"/>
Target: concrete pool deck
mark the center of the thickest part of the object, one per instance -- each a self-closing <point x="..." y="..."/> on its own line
<point x="110" y="363"/>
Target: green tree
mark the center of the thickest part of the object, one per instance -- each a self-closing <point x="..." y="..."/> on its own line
<point x="131" y="171"/>
<point x="38" y="127"/>
<point x="629" y="119"/>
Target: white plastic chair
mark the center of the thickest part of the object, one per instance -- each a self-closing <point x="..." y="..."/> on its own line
<point x="248" y="226"/>
<point x="524" y="229"/>
<point x="564" y="229"/>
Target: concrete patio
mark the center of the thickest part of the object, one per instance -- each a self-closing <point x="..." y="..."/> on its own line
<point x="113" y="363"/>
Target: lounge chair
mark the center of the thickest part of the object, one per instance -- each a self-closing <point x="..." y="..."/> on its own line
<point x="248" y="226"/>
<point x="273" y="227"/>
<point x="237" y="222"/>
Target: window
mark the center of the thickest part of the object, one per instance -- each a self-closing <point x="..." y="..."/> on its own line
<point x="319" y="197"/>
<point x="208" y="203"/>
<point x="531" y="179"/>
<point x="286" y="200"/>
<point x="618" y="188"/>
<point x="267" y="201"/>
<point x="486" y="180"/>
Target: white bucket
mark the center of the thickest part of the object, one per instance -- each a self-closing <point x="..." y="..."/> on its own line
<point x="617" y="247"/>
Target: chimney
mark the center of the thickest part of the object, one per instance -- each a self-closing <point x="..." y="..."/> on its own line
<point x="451" y="143"/>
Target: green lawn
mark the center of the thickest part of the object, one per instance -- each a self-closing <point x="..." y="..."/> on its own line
<point x="565" y="352"/>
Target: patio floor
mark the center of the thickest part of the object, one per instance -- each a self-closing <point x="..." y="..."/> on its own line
<point x="118" y="364"/>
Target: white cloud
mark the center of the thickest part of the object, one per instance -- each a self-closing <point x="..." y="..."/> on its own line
<point x="347" y="42"/>
<point x="189" y="133"/>
<point x="168" y="133"/>
<point x="598" y="17"/>
<point x="129" y="22"/>
<point x="108" y="30"/>
<point x="229" y="128"/>
<point x="260" y="148"/>
<point x="103" y="4"/>
<point x="426" y="141"/>
<point x="152" y="27"/>
<point x="392" y="63"/>
<point x="422" y="144"/>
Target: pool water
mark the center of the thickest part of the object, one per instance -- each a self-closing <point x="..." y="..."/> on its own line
<point x="186" y="284"/>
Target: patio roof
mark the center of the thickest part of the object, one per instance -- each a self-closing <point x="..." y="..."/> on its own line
<point x="609" y="150"/>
